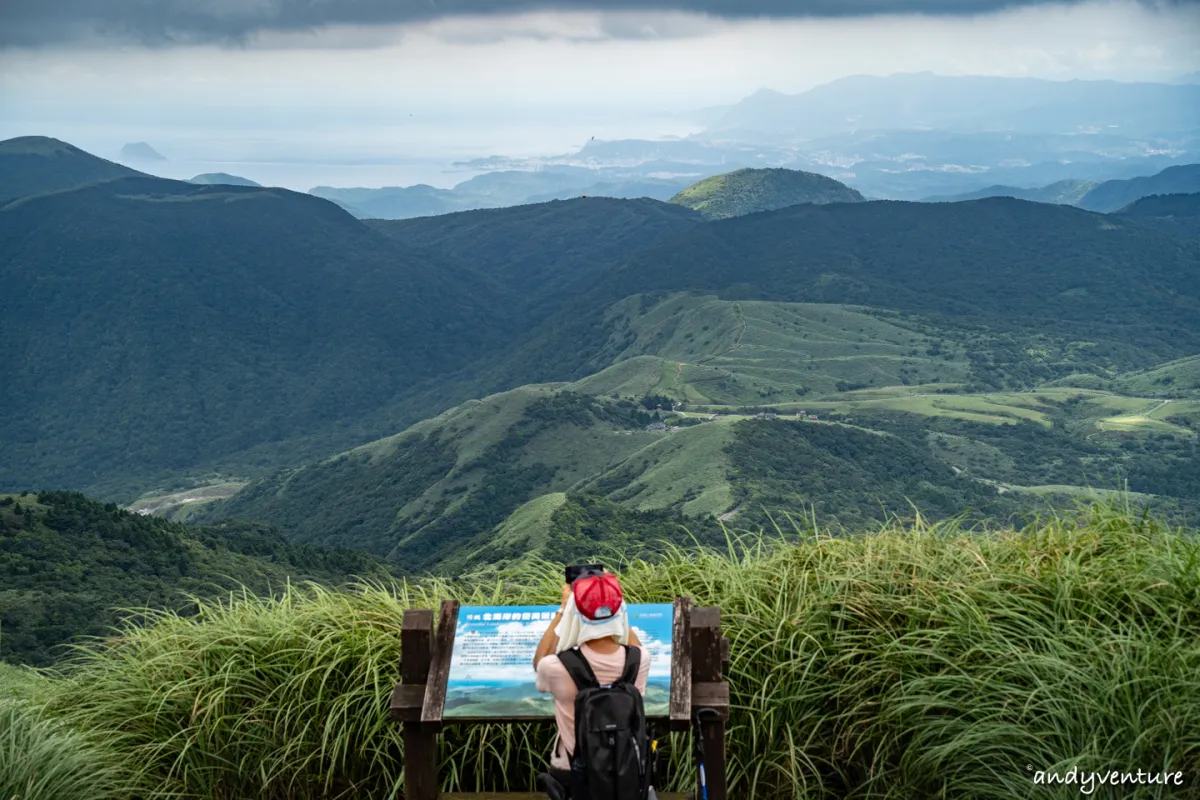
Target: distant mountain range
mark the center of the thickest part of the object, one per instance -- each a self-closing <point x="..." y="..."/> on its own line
<point x="210" y="178"/>
<point x="495" y="190"/>
<point x="907" y="137"/>
<point x="1103" y="196"/>
<point x="968" y="104"/>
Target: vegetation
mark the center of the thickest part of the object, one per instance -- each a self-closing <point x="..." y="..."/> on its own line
<point x="38" y="164"/>
<point x="545" y="252"/>
<point x="68" y="563"/>
<point x="748" y="191"/>
<point x="1102" y="196"/>
<point x="211" y="326"/>
<point x="1114" y="195"/>
<point x="1066" y="192"/>
<point x="223" y="178"/>
<point x="915" y="660"/>
<point x="1171" y="212"/>
<point x="1026" y="292"/>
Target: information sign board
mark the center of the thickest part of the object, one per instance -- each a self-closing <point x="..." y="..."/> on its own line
<point x="491" y="668"/>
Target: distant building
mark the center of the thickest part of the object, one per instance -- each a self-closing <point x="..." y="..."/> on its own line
<point x="656" y="426"/>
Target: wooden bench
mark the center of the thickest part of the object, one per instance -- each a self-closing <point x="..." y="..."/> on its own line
<point x="699" y="661"/>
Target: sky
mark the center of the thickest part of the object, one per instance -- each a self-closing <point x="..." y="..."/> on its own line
<point x="377" y="92"/>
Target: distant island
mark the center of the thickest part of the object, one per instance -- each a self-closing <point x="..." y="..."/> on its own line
<point x="140" y="151"/>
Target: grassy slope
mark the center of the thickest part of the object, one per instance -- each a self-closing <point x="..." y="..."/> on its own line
<point x="402" y="494"/>
<point x="913" y="662"/>
<point x="748" y="191"/>
<point x="727" y="352"/>
<point x="1180" y="378"/>
<point x="1025" y="292"/>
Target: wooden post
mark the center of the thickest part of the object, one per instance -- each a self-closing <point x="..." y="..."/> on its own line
<point x="420" y="741"/>
<point x="680" y="714"/>
<point x="710" y="692"/>
<point x="439" y="666"/>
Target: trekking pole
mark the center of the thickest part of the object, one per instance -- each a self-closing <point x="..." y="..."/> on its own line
<point x="698" y="738"/>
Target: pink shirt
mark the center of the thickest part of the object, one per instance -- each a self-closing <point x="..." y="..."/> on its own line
<point x="552" y="677"/>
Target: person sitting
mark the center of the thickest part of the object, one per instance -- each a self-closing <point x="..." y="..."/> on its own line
<point x="594" y="619"/>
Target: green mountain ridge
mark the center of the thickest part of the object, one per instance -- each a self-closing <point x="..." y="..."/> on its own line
<point x="749" y="191"/>
<point x="32" y="165"/>
<point x="998" y="276"/>
<point x="208" y="321"/>
<point x="1179" y="213"/>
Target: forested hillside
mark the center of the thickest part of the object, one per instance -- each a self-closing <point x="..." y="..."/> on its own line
<point x="1170" y="212"/>
<point x="1031" y="291"/>
<point x="69" y="564"/>
<point x="152" y="326"/>
<point x="37" y="164"/>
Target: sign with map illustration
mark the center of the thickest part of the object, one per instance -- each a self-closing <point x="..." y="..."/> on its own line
<point x="491" y="668"/>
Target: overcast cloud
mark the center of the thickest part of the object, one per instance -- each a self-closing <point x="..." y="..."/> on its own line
<point x="267" y="85"/>
<point x="164" y="22"/>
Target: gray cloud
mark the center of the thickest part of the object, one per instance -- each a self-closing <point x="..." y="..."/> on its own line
<point x="36" y="23"/>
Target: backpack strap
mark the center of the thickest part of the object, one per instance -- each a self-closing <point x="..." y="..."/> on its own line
<point x="633" y="663"/>
<point x="579" y="669"/>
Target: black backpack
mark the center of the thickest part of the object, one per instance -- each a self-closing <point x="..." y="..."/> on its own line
<point x="612" y="745"/>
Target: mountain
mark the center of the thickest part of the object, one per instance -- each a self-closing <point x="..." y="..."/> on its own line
<point x="1114" y="195"/>
<point x="1175" y="379"/>
<point x="70" y="561"/>
<point x="967" y="104"/>
<point x="140" y="151"/>
<point x="748" y="191"/>
<point x="441" y="494"/>
<point x="1175" y="212"/>
<point x="223" y="178"/>
<point x="39" y="164"/>
<point x="1103" y="196"/>
<point x="544" y="252"/>
<point x="500" y="189"/>
<point x="653" y="188"/>
<point x="841" y="411"/>
<point x="1068" y="192"/>
<point x="998" y="275"/>
<point x="397" y="202"/>
<point x="152" y="326"/>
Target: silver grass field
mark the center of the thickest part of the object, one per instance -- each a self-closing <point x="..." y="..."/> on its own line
<point x="919" y="660"/>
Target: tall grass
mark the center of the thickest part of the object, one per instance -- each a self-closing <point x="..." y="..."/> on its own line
<point x="917" y="661"/>
<point x="45" y="759"/>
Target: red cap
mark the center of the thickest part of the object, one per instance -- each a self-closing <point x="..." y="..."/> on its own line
<point x="598" y="598"/>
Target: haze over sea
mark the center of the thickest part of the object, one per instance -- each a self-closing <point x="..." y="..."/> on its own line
<point x="302" y="153"/>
